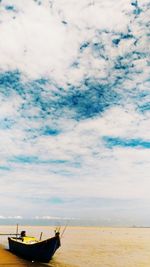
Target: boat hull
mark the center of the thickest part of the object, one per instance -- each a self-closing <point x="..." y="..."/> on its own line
<point x="41" y="251"/>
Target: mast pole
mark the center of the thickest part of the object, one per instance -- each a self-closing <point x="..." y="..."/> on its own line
<point x="17" y="231"/>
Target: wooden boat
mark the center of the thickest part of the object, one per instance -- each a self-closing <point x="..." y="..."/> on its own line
<point x="33" y="250"/>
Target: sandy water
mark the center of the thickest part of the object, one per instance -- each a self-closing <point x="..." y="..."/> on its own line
<point x="93" y="247"/>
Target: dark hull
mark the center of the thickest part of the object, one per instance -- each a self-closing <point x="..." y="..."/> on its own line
<point x="41" y="251"/>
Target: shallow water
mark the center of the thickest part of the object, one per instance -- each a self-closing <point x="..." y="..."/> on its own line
<point x="95" y="247"/>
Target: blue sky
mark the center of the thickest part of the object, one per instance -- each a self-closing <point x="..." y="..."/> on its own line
<point x="74" y="109"/>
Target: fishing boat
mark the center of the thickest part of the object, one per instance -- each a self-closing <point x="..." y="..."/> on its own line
<point x="32" y="249"/>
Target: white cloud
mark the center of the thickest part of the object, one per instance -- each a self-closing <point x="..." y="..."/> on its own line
<point x="41" y="45"/>
<point x="67" y="42"/>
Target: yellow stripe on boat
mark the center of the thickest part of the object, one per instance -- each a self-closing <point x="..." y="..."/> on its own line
<point x="29" y="239"/>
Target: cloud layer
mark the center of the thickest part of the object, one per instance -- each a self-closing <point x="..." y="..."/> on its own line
<point x="74" y="107"/>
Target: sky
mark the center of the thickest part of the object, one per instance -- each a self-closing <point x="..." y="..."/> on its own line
<point x="74" y="110"/>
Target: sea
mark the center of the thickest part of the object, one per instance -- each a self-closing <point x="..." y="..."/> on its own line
<point x="90" y="246"/>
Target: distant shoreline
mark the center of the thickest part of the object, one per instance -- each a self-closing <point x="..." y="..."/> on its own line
<point x="54" y="223"/>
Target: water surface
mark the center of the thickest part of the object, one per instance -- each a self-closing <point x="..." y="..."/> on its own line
<point x="94" y="247"/>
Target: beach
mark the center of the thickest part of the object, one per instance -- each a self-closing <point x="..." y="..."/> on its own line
<point x="89" y="246"/>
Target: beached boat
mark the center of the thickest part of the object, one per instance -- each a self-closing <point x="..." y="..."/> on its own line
<point x="34" y="250"/>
